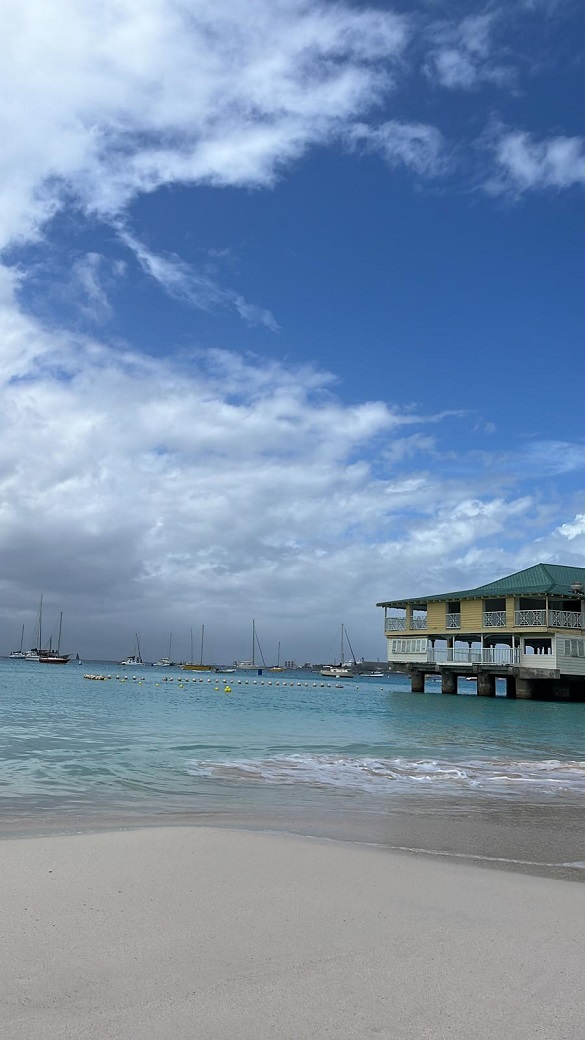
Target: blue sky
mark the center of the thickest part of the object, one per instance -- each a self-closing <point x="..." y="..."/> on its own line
<point x="291" y="298"/>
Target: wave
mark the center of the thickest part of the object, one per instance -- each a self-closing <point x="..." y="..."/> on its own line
<point x="387" y="774"/>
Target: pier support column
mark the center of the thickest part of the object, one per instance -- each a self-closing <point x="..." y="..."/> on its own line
<point x="448" y="682"/>
<point x="524" y="689"/>
<point x="417" y="682"/>
<point x="486" y="685"/>
<point x="510" y="686"/>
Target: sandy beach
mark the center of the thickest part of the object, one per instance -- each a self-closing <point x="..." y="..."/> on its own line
<point x="183" y="932"/>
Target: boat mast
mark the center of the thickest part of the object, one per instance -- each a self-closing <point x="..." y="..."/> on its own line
<point x="253" y="642"/>
<point x="202" y="634"/>
<point x="170" y="642"/>
<point x="41" y="623"/>
<point x="342" y="657"/>
<point x="59" y="639"/>
<point x="21" y="638"/>
<point x="351" y="648"/>
<point x="191" y="644"/>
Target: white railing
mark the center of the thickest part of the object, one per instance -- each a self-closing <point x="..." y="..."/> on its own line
<point x="494" y="619"/>
<point x="395" y="624"/>
<point x="453" y="620"/>
<point x="530" y="618"/>
<point x="489" y="655"/>
<point x="418" y="622"/>
<point x="565" y="619"/>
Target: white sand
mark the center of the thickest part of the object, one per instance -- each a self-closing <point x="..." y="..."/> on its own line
<point x="182" y="933"/>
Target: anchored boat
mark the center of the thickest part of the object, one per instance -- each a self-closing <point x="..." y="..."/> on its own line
<point x="344" y="669"/>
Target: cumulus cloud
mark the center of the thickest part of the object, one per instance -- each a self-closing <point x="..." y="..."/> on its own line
<point x="157" y="493"/>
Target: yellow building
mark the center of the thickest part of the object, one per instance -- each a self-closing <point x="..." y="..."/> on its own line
<point x="528" y="628"/>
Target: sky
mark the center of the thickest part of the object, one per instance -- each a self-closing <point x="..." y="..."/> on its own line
<point x="291" y="314"/>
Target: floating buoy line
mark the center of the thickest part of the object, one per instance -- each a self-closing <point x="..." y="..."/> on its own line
<point x="182" y="683"/>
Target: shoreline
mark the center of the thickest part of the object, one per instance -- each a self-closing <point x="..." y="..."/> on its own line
<point x="182" y="931"/>
<point x="535" y="840"/>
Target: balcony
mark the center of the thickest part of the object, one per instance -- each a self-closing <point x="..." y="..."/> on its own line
<point x="565" y="619"/>
<point x="555" y="619"/>
<point x="453" y="620"/>
<point x="418" y="622"/>
<point x="530" y="618"/>
<point x="489" y="655"/>
<point x="395" y="624"/>
<point x="494" y="619"/>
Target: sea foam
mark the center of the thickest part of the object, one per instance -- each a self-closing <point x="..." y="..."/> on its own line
<point x="387" y="774"/>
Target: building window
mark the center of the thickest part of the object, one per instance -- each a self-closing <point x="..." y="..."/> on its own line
<point x="409" y="646"/>
<point x="574" y="648"/>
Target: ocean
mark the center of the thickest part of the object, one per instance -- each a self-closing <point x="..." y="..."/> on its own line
<point x="486" y="780"/>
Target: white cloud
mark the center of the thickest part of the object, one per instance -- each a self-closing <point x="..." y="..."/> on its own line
<point x="526" y="163"/>
<point x="574" y="529"/>
<point x="463" y="56"/>
<point x="93" y="275"/>
<point x="415" y="145"/>
<point x="182" y="282"/>
<point x="121" y="97"/>
<point x="155" y="494"/>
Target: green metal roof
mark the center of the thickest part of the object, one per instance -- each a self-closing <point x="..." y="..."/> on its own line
<point x="542" y="579"/>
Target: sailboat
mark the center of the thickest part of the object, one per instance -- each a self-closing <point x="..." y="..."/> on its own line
<point x="19" y="655"/>
<point x="343" y="669"/>
<point x="166" y="662"/>
<point x="191" y="667"/>
<point x="253" y="664"/>
<point x="51" y="656"/>
<point x="276" y="667"/>
<point x="35" y="653"/>
<point x="134" y="658"/>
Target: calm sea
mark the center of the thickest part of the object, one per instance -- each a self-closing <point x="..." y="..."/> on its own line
<point x="364" y="759"/>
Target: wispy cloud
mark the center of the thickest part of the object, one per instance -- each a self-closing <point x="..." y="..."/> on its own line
<point x="463" y="56"/>
<point x="93" y="276"/>
<point x="417" y="146"/>
<point x="183" y="283"/>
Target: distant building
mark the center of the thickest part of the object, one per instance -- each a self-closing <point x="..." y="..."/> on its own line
<point x="528" y="627"/>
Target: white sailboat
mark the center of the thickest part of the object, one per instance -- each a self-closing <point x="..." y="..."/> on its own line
<point x="252" y="664"/>
<point x="166" y="662"/>
<point x="19" y="655"/>
<point x="134" y="658"/>
<point x="343" y="669"/>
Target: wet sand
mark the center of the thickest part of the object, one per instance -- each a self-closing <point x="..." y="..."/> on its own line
<point x="182" y="932"/>
<point x="542" y="839"/>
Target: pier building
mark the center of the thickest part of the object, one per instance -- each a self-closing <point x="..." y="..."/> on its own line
<point x="527" y="628"/>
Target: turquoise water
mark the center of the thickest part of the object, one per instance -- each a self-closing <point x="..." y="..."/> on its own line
<point x="291" y="744"/>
